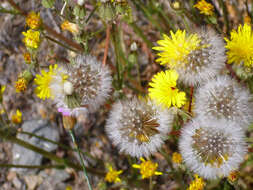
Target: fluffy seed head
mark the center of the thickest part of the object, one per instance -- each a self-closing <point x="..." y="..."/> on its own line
<point x="223" y="98"/>
<point x="212" y="148"/>
<point x="204" y="62"/>
<point x="138" y="127"/>
<point x="91" y="81"/>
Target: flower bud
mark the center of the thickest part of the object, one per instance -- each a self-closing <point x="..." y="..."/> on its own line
<point x="68" y="122"/>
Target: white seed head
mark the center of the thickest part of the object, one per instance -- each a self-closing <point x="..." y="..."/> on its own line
<point x="138" y="127"/>
<point x="224" y="98"/>
<point x="212" y="148"/>
<point x="204" y="63"/>
<point x="91" y="81"/>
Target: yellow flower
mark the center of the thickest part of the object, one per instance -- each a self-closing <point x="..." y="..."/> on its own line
<point x="197" y="184"/>
<point x="27" y="57"/>
<point x="17" y="118"/>
<point x="72" y="27"/>
<point x="21" y="85"/>
<point x="33" y="20"/>
<point x="147" y="168"/>
<point x="2" y="111"/>
<point x="43" y="81"/>
<point x="68" y="188"/>
<point x="247" y="20"/>
<point x="204" y="7"/>
<point x="113" y="175"/>
<point x="174" y="50"/>
<point x="163" y="89"/>
<point x="240" y="47"/>
<point x="176" y="158"/>
<point x="31" y="39"/>
<point x="2" y="89"/>
<point x="233" y="176"/>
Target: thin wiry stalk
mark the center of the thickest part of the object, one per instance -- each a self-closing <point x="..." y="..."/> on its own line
<point x="81" y="158"/>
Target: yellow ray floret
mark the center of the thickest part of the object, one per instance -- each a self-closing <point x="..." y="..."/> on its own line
<point x="175" y="49"/>
<point x="33" y="20"/>
<point x="43" y="82"/>
<point x="17" y="118"/>
<point x="113" y="175"/>
<point x="31" y="39"/>
<point x="204" y="7"/>
<point x="240" y="46"/>
<point x="197" y="184"/>
<point x="163" y="89"/>
<point x="21" y="85"/>
<point x="71" y="27"/>
<point x="147" y="168"/>
<point x="176" y="158"/>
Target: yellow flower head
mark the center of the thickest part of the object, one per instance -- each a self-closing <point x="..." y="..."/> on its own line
<point x="17" y="118"/>
<point x="21" y="85"/>
<point x="71" y="27"/>
<point x="174" y="49"/>
<point x="197" y="184"/>
<point x="112" y="175"/>
<point x="240" y="47"/>
<point x="2" y="89"/>
<point x="233" y="176"/>
<point x="204" y="7"/>
<point x="44" y="81"/>
<point x="247" y="20"/>
<point x="176" y="158"/>
<point x="31" y="39"/>
<point x="163" y="89"/>
<point x="33" y="20"/>
<point x="27" y="57"/>
<point x="147" y="168"/>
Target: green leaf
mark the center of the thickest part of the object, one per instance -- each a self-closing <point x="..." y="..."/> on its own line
<point x="48" y="3"/>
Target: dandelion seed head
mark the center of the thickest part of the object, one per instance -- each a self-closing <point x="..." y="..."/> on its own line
<point x="212" y="148"/>
<point x="223" y="98"/>
<point x="91" y="81"/>
<point x="138" y="127"/>
<point x="205" y="62"/>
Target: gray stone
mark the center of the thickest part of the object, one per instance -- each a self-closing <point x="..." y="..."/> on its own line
<point x="54" y="180"/>
<point x="24" y="156"/>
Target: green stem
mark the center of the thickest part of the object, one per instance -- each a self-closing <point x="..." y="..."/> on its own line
<point x="164" y="16"/>
<point x="53" y="142"/>
<point x="149" y="15"/>
<point x="60" y="167"/>
<point x="61" y="44"/>
<point x="13" y="12"/>
<point x="225" y="14"/>
<point x="81" y="158"/>
<point x="120" y="58"/>
<point x="140" y="33"/>
<point x="90" y="15"/>
<point x="150" y="183"/>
